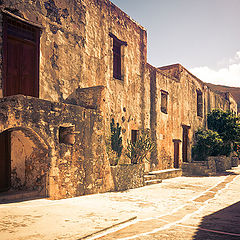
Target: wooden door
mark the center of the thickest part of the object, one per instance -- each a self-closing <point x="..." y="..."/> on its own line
<point x="176" y="153"/>
<point x="185" y="143"/>
<point x="20" y="57"/>
<point x="5" y="161"/>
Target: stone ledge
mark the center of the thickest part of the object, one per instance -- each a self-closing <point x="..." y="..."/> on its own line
<point x="168" y="173"/>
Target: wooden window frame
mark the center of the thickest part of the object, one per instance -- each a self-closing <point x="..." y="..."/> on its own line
<point x="164" y="94"/>
<point x="199" y="103"/>
<point x="117" y="56"/>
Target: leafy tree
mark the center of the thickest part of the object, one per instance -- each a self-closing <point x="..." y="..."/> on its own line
<point x="207" y="143"/>
<point x="227" y="125"/>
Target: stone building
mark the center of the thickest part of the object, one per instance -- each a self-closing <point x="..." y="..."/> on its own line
<point x="67" y="68"/>
<point x="180" y="103"/>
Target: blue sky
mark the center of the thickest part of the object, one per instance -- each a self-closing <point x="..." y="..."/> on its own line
<point x="202" y="35"/>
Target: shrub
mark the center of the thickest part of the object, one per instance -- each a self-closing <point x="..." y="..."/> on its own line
<point x="137" y="151"/>
<point x="226" y="123"/>
<point x="207" y="143"/>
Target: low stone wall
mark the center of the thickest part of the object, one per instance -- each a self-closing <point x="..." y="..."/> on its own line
<point x="223" y="163"/>
<point x="235" y="161"/>
<point x="199" y="168"/>
<point x="210" y="167"/>
<point x="127" y="176"/>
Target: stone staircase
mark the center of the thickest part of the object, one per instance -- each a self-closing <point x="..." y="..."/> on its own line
<point x="155" y="177"/>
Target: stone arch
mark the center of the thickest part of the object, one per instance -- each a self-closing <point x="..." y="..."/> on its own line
<point x="28" y="160"/>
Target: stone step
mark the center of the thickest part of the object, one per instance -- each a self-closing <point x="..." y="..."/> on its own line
<point x="168" y="173"/>
<point x="12" y="196"/>
<point x="154" y="181"/>
<point x="148" y="177"/>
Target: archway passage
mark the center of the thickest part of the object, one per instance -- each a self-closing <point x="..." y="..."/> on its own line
<point x="23" y="162"/>
<point x="5" y="161"/>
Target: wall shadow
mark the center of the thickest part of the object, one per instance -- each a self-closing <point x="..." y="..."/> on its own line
<point x="215" y="225"/>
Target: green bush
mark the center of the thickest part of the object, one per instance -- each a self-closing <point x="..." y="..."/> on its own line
<point x="207" y="143"/>
<point x="137" y="151"/>
<point x="226" y="123"/>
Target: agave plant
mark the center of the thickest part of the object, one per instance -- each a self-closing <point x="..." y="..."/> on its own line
<point x="138" y="151"/>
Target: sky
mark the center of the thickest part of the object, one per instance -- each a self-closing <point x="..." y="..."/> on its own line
<point x="201" y="35"/>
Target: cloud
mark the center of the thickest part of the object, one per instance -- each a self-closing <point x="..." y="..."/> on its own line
<point x="228" y="76"/>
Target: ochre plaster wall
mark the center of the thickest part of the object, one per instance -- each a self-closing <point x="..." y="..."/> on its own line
<point x="182" y="88"/>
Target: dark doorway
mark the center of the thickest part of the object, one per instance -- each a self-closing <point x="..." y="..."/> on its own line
<point x="185" y="143"/>
<point x="134" y="136"/>
<point x="176" y="153"/>
<point x="5" y="161"/>
<point x="20" y="57"/>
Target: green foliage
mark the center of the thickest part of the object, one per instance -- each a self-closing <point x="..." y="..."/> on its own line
<point x="222" y="137"/>
<point x="207" y="143"/>
<point x="138" y="151"/>
<point x="226" y="123"/>
<point x="116" y="139"/>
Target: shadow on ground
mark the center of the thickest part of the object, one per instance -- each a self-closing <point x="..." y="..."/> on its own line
<point x="224" y="224"/>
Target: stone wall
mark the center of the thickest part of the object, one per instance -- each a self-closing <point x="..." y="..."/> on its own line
<point x="210" y="167"/>
<point x="76" y="52"/>
<point x="29" y="165"/>
<point x="199" y="168"/>
<point x="63" y="170"/>
<point x="223" y="163"/>
<point x="128" y="176"/>
<point x="182" y="88"/>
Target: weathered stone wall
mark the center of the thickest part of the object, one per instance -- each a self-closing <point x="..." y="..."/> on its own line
<point x="223" y="163"/>
<point x="76" y="52"/>
<point x="199" y="168"/>
<point x="235" y="161"/>
<point x="69" y="170"/>
<point x="181" y="87"/>
<point x="128" y="176"/>
<point x="29" y="164"/>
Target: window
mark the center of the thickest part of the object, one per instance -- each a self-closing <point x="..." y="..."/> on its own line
<point x="117" y="56"/>
<point x="134" y="136"/>
<point x="164" y="99"/>
<point x="199" y="103"/>
<point x="116" y="60"/>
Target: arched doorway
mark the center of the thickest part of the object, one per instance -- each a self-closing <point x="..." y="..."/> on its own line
<point x="24" y="161"/>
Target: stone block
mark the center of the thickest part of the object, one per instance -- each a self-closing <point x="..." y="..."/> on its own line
<point x="128" y="176"/>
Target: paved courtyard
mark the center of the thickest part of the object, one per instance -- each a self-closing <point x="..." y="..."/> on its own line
<point x="179" y="208"/>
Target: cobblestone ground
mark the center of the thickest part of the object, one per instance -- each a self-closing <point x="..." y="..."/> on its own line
<point x="179" y="208"/>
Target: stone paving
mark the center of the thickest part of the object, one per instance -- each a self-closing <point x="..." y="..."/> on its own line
<point x="178" y="208"/>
